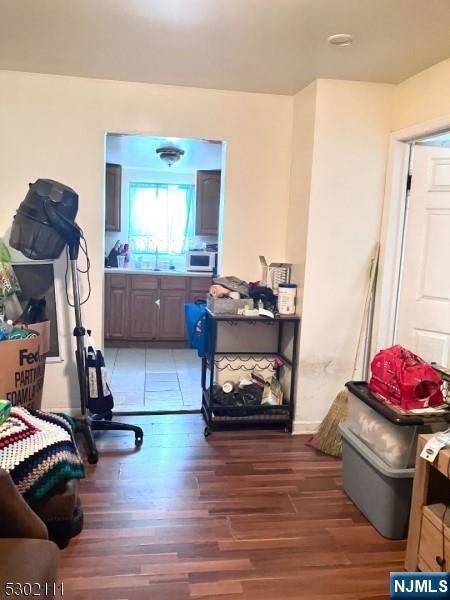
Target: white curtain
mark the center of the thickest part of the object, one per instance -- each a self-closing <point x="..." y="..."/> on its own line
<point x="161" y="216"/>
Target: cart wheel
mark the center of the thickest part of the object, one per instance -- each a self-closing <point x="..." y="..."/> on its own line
<point x="207" y="432"/>
<point x="138" y="439"/>
<point x="93" y="457"/>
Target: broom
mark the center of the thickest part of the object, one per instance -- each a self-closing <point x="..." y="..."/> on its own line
<point x="328" y="438"/>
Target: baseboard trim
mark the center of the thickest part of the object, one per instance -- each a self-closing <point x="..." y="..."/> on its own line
<point x="302" y="427"/>
<point x="67" y="410"/>
<point x="161" y="344"/>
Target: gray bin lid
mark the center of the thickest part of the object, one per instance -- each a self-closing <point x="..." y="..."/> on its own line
<point x="371" y="457"/>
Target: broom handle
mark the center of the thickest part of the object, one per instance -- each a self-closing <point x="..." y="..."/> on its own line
<point x="368" y="304"/>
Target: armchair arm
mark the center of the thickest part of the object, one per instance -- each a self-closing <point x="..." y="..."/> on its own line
<point x="17" y="519"/>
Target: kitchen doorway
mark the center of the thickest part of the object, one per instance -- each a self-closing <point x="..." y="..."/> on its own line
<point x="163" y="222"/>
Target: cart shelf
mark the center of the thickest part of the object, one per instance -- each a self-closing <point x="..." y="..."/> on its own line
<point x="287" y="331"/>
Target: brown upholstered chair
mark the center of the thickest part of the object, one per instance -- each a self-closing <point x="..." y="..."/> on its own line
<point x="26" y="553"/>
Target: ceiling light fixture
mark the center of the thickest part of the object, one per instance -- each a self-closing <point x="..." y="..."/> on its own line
<point x="170" y="154"/>
<point x="340" y="39"/>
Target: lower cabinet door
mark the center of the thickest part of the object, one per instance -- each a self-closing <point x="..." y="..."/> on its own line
<point x="144" y="311"/>
<point x="116" y="314"/>
<point x="171" y="317"/>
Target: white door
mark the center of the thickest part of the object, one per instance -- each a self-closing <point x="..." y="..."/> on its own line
<point x="423" y="323"/>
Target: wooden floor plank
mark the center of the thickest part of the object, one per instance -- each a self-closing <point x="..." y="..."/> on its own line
<point x="242" y="515"/>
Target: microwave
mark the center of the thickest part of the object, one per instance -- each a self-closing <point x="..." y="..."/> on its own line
<point x="200" y="260"/>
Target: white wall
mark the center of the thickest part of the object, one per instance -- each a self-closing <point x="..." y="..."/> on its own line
<point x="350" y="141"/>
<point x="347" y="154"/>
<point x="423" y="98"/>
<point x="303" y="133"/>
<point x="55" y="127"/>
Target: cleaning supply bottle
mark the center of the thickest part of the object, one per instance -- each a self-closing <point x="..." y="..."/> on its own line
<point x="126" y="253"/>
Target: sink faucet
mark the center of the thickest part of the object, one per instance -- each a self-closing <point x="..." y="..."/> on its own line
<point x="156" y="267"/>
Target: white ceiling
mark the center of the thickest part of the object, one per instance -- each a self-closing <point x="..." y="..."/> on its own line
<point x="139" y="151"/>
<point x="274" y="46"/>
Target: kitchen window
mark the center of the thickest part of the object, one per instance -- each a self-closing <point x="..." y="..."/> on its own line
<point x="161" y="217"/>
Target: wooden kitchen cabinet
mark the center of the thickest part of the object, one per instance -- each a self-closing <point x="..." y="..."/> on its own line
<point x="149" y="308"/>
<point x="207" y="203"/>
<point x="113" y="185"/>
<point x="116" y="307"/>
<point x="171" y="317"/>
<point x="199" y="287"/>
<point x="144" y="310"/>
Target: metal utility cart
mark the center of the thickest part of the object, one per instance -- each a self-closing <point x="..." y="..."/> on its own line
<point x="240" y="343"/>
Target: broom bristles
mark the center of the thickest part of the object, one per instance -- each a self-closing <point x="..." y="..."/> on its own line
<point x="328" y="438"/>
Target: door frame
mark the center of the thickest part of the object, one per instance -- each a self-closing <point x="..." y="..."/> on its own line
<point x="392" y="226"/>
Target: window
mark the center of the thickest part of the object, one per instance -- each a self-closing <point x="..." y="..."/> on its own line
<point x="161" y="217"/>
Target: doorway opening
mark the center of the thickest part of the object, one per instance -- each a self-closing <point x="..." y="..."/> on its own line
<point x="163" y="239"/>
<point x="422" y="301"/>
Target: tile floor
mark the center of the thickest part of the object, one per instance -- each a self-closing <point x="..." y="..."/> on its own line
<point x="154" y="380"/>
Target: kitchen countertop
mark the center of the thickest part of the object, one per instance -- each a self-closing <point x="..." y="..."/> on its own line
<point x="133" y="271"/>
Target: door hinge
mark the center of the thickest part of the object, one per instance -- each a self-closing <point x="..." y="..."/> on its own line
<point x="408" y="182"/>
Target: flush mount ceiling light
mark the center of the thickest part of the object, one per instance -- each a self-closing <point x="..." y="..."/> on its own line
<point x="170" y="154"/>
<point x="340" y="39"/>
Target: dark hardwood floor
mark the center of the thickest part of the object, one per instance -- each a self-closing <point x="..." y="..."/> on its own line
<point x="241" y="515"/>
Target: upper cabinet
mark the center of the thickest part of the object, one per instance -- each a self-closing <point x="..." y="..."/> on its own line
<point x="208" y="203"/>
<point x="113" y="185"/>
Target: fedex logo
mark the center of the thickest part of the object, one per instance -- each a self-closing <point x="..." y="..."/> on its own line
<point x="28" y="357"/>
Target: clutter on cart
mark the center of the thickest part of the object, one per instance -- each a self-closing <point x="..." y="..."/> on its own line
<point x="271" y="296"/>
<point x="274" y="274"/>
<point x="251" y="395"/>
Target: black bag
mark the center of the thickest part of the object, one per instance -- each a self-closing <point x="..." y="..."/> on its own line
<point x="100" y="399"/>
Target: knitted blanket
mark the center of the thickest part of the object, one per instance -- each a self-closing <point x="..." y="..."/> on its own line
<point x="38" y="451"/>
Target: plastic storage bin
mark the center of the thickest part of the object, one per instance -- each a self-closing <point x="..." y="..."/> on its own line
<point x="381" y="493"/>
<point x="392" y="435"/>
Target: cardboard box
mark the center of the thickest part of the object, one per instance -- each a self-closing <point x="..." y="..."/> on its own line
<point x="22" y="368"/>
<point x="43" y="329"/>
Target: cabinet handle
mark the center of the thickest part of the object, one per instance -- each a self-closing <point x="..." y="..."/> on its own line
<point x="158" y="302"/>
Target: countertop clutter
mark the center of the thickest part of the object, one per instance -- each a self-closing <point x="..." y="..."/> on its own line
<point x="168" y="272"/>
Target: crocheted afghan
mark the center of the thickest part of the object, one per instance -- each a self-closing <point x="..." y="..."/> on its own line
<point x="38" y="451"/>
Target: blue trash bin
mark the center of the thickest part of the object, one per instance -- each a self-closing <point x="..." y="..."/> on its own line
<point x="195" y="314"/>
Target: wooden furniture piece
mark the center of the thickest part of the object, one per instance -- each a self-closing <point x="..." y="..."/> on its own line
<point x="428" y="547"/>
<point x="207" y="202"/>
<point x="113" y="183"/>
<point x="148" y="309"/>
<point x="284" y="340"/>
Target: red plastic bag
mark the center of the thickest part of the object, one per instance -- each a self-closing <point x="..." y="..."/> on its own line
<point x="402" y="378"/>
